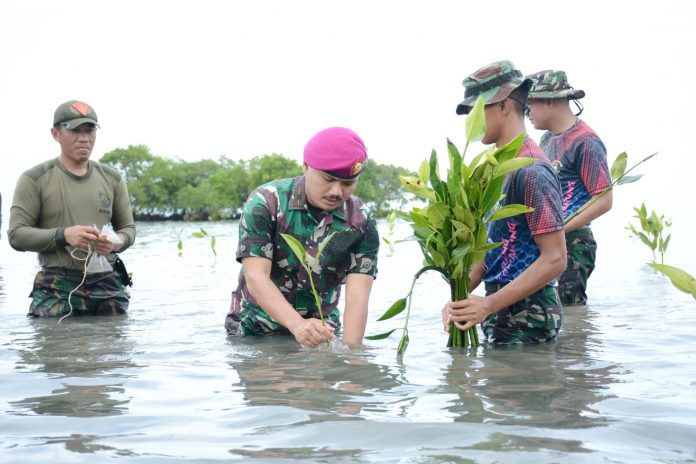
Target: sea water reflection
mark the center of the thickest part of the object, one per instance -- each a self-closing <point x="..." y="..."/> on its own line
<point x="82" y="363"/>
<point x="166" y="384"/>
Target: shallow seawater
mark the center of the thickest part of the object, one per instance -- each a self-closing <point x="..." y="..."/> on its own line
<point x="166" y="384"/>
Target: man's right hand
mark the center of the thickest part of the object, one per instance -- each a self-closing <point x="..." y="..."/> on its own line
<point x="311" y="332"/>
<point x="81" y="236"/>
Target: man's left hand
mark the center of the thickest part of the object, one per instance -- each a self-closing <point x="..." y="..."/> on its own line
<point x="467" y="313"/>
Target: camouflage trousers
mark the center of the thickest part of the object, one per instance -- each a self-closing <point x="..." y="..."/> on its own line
<point x="100" y="294"/>
<point x="582" y="250"/>
<point x="536" y="319"/>
<point x="255" y="321"/>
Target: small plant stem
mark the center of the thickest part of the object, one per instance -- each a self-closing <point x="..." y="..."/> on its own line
<point x="317" y="300"/>
<point x="597" y="197"/>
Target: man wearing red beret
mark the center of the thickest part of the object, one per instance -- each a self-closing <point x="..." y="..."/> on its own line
<point x="274" y="294"/>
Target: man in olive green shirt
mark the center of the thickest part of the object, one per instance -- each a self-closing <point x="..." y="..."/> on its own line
<point x="59" y="209"/>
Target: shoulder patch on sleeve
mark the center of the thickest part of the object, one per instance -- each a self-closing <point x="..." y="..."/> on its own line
<point x="39" y="170"/>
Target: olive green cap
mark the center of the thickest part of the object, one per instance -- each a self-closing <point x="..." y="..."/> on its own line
<point x="73" y="113"/>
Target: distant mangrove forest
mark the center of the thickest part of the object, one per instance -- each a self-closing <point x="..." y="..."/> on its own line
<point x="173" y="189"/>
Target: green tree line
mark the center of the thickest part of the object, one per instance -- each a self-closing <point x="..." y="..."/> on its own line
<point x="165" y="188"/>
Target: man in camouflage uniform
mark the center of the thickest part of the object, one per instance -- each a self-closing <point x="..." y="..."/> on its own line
<point x="580" y="159"/>
<point x="521" y="303"/>
<point x="274" y="294"/>
<point x="57" y="210"/>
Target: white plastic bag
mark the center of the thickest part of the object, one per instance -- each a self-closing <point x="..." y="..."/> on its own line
<point x="99" y="263"/>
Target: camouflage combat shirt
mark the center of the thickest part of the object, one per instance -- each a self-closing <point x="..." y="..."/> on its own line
<point x="280" y="207"/>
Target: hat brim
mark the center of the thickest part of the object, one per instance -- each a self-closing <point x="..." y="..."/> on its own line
<point x="494" y="95"/>
<point x="570" y="94"/>
<point x="73" y="123"/>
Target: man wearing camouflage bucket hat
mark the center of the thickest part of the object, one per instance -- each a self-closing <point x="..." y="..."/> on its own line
<point x="580" y="159"/>
<point x="58" y="209"/>
<point x="521" y="303"/>
<point x="274" y="294"/>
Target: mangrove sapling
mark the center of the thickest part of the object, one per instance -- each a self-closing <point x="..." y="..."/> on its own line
<point x="652" y="227"/>
<point x="202" y="234"/>
<point x="391" y="219"/>
<point x="309" y="264"/>
<point x="451" y="229"/>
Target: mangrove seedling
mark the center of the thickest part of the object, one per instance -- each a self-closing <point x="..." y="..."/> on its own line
<point x="451" y="229"/>
<point x="651" y="234"/>
<point x="653" y="227"/>
<point x="202" y="233"/>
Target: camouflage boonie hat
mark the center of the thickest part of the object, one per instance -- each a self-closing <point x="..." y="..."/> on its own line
<point x="494" y="82"/>
<point x="552" y="84"/>
<point x="73" y="113"/>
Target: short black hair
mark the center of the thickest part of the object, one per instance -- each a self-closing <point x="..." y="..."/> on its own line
<point x="519" y="98"/>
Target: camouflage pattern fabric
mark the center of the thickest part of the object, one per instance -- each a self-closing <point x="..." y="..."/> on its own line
<point x="552" y="84"/>
<point x="101" y="294"/>
<point x="281" y="207"/>
<point x="494" y="82"/>
<point x="582" y="250"/>
<point x="536" y="319"/>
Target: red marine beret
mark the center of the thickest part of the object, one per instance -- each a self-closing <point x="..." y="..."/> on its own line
<point x="337" y="151"/>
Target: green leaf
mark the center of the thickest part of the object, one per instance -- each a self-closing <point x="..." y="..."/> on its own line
<point x="492" y="194"/>
<point x="213" y="242"/>
<point x="464" y="215"/>
<point x="619" y="166"/>
<point x="488" y="247"/>
<point x="461" y="230"/>
<point x="510" y="150"/>
<point x="455" y="159"/>
<point x="380" y="336"/>
<point x="197" y="234"/>
<point x="424" y="172"/>
<point x="644" y="238"/>
<point x="436" y="214"/>
<point x="415" y="186"/>
<point x="474" y="162"/>
<point x="508" y="211"/>
<point x="628" y="179"/>
<point x="476" y="121"/>
<point x="396" y="308"/>
<point x="296" y="248"/>
<point x="435" y="181"/>
<point x="461" y="252"/>
<point x="512" y="165"/>
<point x="681" y="279"/>
<point x="323" y="244"/>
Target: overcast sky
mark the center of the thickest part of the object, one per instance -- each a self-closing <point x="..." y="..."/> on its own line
<point x="243" y="78"/>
